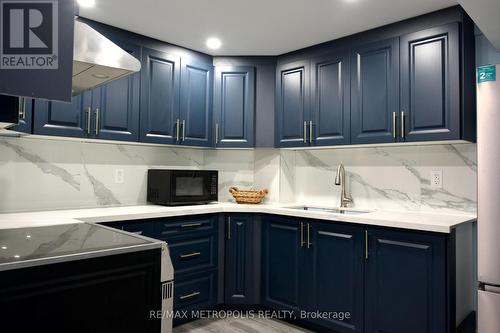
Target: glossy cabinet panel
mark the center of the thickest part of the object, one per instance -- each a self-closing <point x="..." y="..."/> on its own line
<point x="292" y="104"/>
<point x="374" y="92"/>
<point x="160" y="94"/>
<point x="430" y="84"/>
<point x="196" y="104"/>
<point x="234" y="112"/>
<point x="330" y="91"/>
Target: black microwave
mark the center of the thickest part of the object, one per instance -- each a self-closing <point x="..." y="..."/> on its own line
<point x="182" y="187"/>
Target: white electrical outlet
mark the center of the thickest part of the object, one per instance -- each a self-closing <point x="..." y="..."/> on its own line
<point x="119" y="176"/>
<point x="437" y="179"/>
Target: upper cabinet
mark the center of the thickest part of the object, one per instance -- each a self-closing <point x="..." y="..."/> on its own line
<point x="329" y="122"/>
<point x="196" y="103"/>
<point x="292" y="104"/>
<point x="234" y="106"/>
<point x="430" y="84"/>
<point x="375" y="92"/>
<point x="160" y="94"/>
<point x="412" y="81"/>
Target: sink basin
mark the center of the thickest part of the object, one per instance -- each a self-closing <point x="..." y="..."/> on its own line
<point x="330" y="210"/>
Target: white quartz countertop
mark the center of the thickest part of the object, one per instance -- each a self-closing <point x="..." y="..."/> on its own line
<point x="434" y="222"/>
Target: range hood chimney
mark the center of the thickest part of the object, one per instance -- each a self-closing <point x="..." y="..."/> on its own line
<point x="97" y="60"/>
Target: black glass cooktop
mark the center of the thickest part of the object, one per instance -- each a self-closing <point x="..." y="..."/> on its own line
<point x="61" y="240"/>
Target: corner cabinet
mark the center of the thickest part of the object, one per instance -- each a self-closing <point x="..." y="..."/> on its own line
<point x="234" y="106"/>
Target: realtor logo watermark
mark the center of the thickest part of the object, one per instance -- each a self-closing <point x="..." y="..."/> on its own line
<point x="29" y="34"/>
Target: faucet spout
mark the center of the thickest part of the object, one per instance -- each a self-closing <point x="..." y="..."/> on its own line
<point x="345" y="199"/>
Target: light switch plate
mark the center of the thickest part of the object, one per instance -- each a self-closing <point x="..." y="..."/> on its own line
<point x="437" y="179"/>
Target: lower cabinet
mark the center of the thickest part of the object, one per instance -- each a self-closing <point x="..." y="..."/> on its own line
<point x="359" y="279"/>
<point x="241" y="259"/>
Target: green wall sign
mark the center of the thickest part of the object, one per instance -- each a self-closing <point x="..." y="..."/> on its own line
<point x="486" y="74"/>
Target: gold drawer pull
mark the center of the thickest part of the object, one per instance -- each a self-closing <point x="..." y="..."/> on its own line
<point x="188" y="296"/>
<point x="191" y="225"/>
<point x="190" y="255"/>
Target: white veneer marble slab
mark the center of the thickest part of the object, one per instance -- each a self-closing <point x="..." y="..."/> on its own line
<point x="435" y="222"/>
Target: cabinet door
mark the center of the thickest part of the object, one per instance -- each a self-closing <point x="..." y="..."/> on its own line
<point x="330" y="99"/>
<point x="336" y="258"/>
<point x="160" y="87"/>
<point x="405" y="283"/>
<point x="239" y="259"/>
<point x="64" y="119"/>
<point x="25" y="116"/>
<point x="196" y="103"/>
<point x="375" y="92"/>
<point x="292" y="104"/>
<point x="282" y="264"/>
<point x="234" y="107"/>
<point x="116" y="105"/>
<point x="430" y="87"/>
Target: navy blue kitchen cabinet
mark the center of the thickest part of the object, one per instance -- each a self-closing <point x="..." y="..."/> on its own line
<point x="406" y="283"/>
<point x="64" y="119"/>
<point x="25" y="116"/>
<point x="239" y="259"/>
<point x="196" y="103"/>
<point x="292" y="104"/>
<point x="283" y="275"/>
<point x="330" y="98"/>
<point x="160" y="96"/>
<point x="375" y="92"/>
<point x="430" y="84"/>
<point x="116" y="105"/>
<point x="108" y="112"/>
<point x="234" y="106"/>
<point x="335" y="263"/>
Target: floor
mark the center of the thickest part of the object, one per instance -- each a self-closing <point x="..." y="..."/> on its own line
<point x="239" y="325"/>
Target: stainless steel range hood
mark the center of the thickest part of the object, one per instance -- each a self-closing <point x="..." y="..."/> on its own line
<point x="97" y="60"/>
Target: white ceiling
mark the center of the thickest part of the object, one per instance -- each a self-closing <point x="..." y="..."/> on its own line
<point x="255" y="27"/>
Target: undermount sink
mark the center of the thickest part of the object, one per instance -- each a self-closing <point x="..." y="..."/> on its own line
<point x="330" y="210"/>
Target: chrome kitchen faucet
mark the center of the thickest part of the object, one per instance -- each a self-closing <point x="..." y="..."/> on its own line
<point x="345" y="199"/>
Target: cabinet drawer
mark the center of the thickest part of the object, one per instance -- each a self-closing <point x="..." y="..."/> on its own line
<point x="193" y="254"/>
<point x="197" y="292"/>
<point x="185" y="226"/>
<point x="139" y="228"/>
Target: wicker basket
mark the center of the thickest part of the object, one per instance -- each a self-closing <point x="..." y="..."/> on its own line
<point x="248" y="196"/>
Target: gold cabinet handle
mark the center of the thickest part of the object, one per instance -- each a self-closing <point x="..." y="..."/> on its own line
<point x="394" y="125"/>
<point x="302" y="242"/>
<point x="402" y="124"/>
<point x="177" y="129"/>
<point x="229" y="227"/>
<point x="88" y="115"/>
<point x="305" y="131"/>
<point x="191" y="225"/>
<point x="310" y="131"/>
<point x="183" y="130"/>
<point x="190" y="255"/>
<point x="309" y="236"/>
<point x="366" y="244"/>
<point x="216" y="133"/>
<point x="188" y="296"/>
<point x="97" y="121"/>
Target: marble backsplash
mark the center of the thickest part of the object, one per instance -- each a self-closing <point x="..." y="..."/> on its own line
<point x="392" y="177"/>
<point x="38" y="174"/>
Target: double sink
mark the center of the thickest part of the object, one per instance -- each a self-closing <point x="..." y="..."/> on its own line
<point x="330" y="210"/>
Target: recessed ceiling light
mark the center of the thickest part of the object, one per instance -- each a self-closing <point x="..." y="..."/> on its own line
<point x="4" y="247"/>
<point x="214" y="43"/>
<point x="100" y="76"/>
<point x="86" y="3"/>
